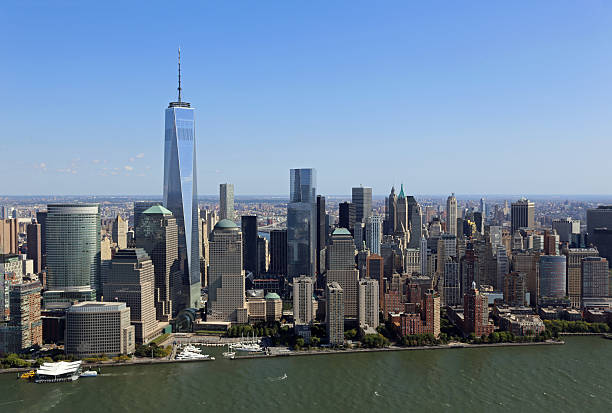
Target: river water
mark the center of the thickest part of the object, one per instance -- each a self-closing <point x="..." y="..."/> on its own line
<point x="571" y="377"/>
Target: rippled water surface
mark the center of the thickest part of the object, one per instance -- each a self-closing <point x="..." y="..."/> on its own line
<point x="573" y="377"/>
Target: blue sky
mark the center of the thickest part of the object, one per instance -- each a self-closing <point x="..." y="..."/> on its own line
<point x="465" y="97"/>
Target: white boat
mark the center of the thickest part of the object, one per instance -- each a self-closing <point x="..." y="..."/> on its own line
<point x="89" y="373"/>
<point x="248" y="347"/>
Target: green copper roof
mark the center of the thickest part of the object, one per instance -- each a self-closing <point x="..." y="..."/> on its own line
<point x="401" y="194"/>
<point x="341" y="231"/>
<point x="157" y="209"/>
<point x="272" y="296"/>
<point x="226" y="224"/>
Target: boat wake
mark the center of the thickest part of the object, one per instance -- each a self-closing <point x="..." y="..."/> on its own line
<point x="283" y="377"/>
<point x="377" y="394"/>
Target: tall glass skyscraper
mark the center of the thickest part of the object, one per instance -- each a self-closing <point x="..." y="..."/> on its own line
<point x="181" y="193"/>
<point x="73" y="254"/>
<point x="301" y="223"/>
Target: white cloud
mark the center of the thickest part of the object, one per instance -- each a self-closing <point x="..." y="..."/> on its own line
<point x="128" y="168"/>
<point x="140" y="155"/>
<point x="96" y="161"/>
<point x="132" y="159"/>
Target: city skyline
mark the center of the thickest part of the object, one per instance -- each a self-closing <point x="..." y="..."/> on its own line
<point x="517" y="89"/>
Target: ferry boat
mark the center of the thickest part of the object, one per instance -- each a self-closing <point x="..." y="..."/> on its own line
<point x="89" y="373"/>
<point x="61" y="371"/>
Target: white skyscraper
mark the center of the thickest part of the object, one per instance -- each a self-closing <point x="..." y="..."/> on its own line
<point x="373" y="231"/>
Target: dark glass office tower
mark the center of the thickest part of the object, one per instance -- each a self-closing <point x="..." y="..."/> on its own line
<point x="249" y="243"/>
<point x="301" y="223"/>
<point x="321" y="231"/>
<point x="278" y="252"/>
<point x="181" y="193"/>
<point x="346" y="217"/>
<point x="362" y="199"/>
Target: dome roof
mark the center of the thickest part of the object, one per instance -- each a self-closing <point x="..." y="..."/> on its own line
<point x="272" y="296"/>
<point x="226" y="224"/>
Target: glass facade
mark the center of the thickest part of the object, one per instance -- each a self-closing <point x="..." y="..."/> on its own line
<point x="301" y="223"/>
<point x="553" y="276"/>
<point x="181" y="197"/>
<point x="73" y="253"/>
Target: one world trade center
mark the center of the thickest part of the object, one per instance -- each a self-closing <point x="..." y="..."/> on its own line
<point x="181" y="193"/>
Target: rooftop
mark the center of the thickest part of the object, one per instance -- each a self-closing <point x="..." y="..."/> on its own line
<point x="157" y="209"/>
<point x="272" y="296"/>
<point x="226" y="224"/>
<point x="341" y="231"/>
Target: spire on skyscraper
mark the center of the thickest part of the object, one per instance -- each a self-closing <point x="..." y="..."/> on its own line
<point x="179" y="74"/>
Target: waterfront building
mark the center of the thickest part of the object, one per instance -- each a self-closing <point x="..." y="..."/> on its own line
<point x="522" y="324"/>
<point x="119" y="233"/>
<point x="368" y="303"/>
<point x="451" y="215"/>
<point x="99" y="328"/>
<point x="303" y="289"/>
<point x="362" y="199"/>
<point x="334" y="313"/>
<point x="515" y="288"/>
<point x="248" y="224"/>
<point x="574" y="272"/>
<point x="522" y="215"/>
<point x="595" y="277"/>
<point x="278" y="252"/>
<point x="553" y="276"/>
<point x="226" y="202"/>
<point x="373" y="236"/>
<point x="73" y="254"/>
<point x="34" y="235"/>
<point x="476" y="313"/>
<point x="157" y="234"/>
<point x="181" y="194"/>
<point x="24" y="329"/>
<point x="226" y="289"/>
<point x="341" y="259"/>
<point x="131" y="279"/>
<point x="301" y="223"/>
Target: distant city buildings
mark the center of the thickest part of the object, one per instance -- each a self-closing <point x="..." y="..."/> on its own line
<point x="522" y="215"/>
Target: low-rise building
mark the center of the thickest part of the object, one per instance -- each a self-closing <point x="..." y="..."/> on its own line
<point x="522" y="325"/>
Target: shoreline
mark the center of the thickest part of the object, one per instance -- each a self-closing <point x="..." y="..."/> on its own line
<point x="394" y="348"/>
<point x="293" y="353"/>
